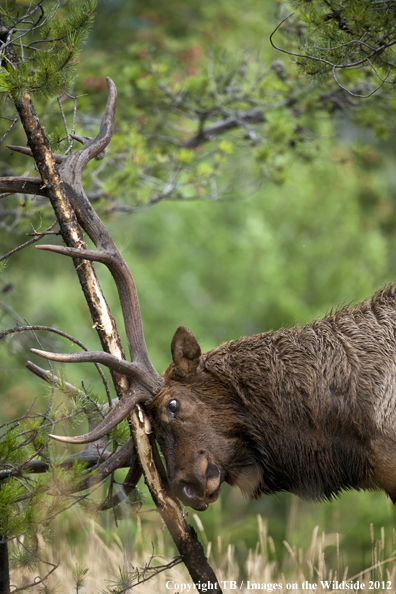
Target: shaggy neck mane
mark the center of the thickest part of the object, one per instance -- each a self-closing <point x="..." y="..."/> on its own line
<point x="306" y="397"/>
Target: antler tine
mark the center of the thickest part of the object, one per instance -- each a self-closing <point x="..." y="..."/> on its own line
<point x="112" y="362"/>
<point x="92" y="147"/>
<point x="115" y="416"/>
<point x="82" y="139"/>
<point x="93" y="255"/>
<point x="20" y="149"/>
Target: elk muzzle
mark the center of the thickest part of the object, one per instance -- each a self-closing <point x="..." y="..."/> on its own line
<point x="201" y="488"/>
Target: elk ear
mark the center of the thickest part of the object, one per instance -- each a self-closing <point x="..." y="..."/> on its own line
<point x="186" y="351"/>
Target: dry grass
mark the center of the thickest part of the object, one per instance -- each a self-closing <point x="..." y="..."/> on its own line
<point x="295" y="568"/>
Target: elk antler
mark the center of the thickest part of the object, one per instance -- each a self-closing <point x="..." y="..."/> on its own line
<point x="145" y="382"/>
<point x="96" y="453"/>
<point x="120" y="365"/>
<point x="115" y="416"/>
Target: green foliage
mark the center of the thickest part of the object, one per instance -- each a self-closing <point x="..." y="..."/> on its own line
<point x="8" y="447"/>
<point x="347" y="50"/>
<point x="62" y="482"/>
<point x="46" y="64"/>
<point x="79" y="573"/>
<point x="11" y="520"/>
<point x="354" y="40"/>
<point x="188" y="120"/>
<point x="30" y="502"/>
<point x="121" y="433"/>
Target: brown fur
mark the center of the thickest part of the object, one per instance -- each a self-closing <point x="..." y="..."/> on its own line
<point x="307" y="410"/>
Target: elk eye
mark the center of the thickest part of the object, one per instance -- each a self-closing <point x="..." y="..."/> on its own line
<point x="173" y="406"/>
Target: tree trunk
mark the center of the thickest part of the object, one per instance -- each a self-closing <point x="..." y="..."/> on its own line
<point x="4" y="568"/>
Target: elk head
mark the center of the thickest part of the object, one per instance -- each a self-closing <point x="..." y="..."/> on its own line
<point x="194" y="473"/>
<point x="197" y="429"/>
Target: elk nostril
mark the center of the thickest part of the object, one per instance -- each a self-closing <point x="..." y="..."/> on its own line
<point x="189" y="491"/>
<point x="212" y="472"/>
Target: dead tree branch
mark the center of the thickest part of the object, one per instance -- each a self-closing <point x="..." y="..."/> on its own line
<point x="136" y="381"/>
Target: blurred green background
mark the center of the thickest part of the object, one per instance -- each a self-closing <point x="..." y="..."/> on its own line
<point x="263" y="256"/>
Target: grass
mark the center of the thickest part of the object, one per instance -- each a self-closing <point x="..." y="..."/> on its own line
<point x="108" y="565"/>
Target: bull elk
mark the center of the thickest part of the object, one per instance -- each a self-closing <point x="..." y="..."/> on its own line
<point x="310" y="410"/>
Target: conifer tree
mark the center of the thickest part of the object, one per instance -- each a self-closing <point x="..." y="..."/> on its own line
<point x="351" y="41"/>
